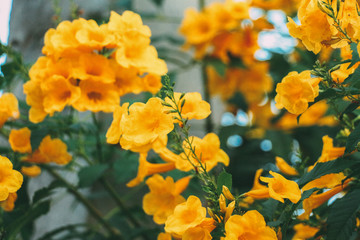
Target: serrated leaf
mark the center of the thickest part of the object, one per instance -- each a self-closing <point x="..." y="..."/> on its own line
<point x="324" y="168"/>
<point x="88" y="175"/>
<point x="342" y="216"/>
<point x="353" y="139"/>
<point x="224" y="179"/>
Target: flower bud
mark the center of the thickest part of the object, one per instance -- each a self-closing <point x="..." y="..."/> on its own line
<point x="227" y="193"/>
<point x="222" y="203"/>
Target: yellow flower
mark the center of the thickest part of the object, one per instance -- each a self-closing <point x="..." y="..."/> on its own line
<point x="303" y="231"/>
<point x="145" y="125"/>
<point x="258" y="191"/>
<point x="51" y="150"/>
<point x="80" y="35"/>
<point x="251" y="226"/>
<point x="20" y="140"/>
<point x="113" y="134"/>
<point x="200" y="232"/>
<point x="315" y="28"/>
<point x="133" y="48"/>
<point x="238" y="10"/>
<point x="146" y="169"/>
<point x="186" y="215"/>
<point x="93" y="67"/>
<point x="10" y="181"/>
<point x="164" y="236"/>
<point x="97" y="96"/>
<point x="163" y="197"/>
<point x="9" y="204"/>
<point x="285" y="168"/>
<point x="194" y="107"/>
<point x="35" y="98"/>
<point x="57" y="93"/>
<point x="8" y="107"/>
<point x="280" y="188"/>
<point x="327" y="181"/>
<point x="329" y="152"/>
<point x="197" y="27"/>
<point x="32" y="171"/>
<point x="206" y="149"/>
<point x="296" y="90"/>
<point x="317" y="199"/>
<point x="314" y="115"/>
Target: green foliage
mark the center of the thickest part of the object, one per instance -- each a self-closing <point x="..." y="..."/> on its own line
<point x="342" y="216"/>
<point x="224" y="179"/>
<point x="353" y="139"/>
<point x="89" y="175"/>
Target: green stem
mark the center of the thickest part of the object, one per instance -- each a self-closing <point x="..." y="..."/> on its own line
<point x="209" y="126"/>
<point x="92" y="210"/>
<point x="121" y="205"/>
<point x="201" y="4"/>
<point x="98" y="140"/>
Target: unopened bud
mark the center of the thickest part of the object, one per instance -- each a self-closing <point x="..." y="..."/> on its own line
<point x="227" y="193"/>
<point x="222" y="203"/>
<point x="229" y="210"/>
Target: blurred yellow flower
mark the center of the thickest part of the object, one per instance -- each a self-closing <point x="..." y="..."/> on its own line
<point x="284" y="167"/>
<point x="327" y="181"/>
<point x="296" y="90"/>
<point x="303" y="231"/>
<point x="32" y="171"/>
<point x="8" y="107"/>
<point x="163" y="197"/>
<point x="251" y="226"/>
<point x="9" y="204"/>
<point x="50" y="150"/>
<point x="20" y="140"/>
<point x="10" y="181"/>
<point x="164" y="236"/>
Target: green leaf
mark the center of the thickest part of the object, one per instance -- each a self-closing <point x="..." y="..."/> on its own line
<point x="224" y="179"/>
<point x="88" y="175"/>
<point x="355" y="55"/>
<point x="324" y="168"/>
<point x="218" y="65"/>
<point x="36" y="211"/>
<point x="353" y="139"/>
<point x="350" y="108"/>
<point x="342" y="216"/>
<point x="46" y="191"/>
<point x="353" y="77"/>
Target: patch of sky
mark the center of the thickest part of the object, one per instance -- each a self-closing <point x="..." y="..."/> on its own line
<point x="5" y="10"/>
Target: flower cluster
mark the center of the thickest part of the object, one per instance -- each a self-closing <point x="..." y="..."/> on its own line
<point x="326" y="23"/>
<point x="89" y="67"/>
